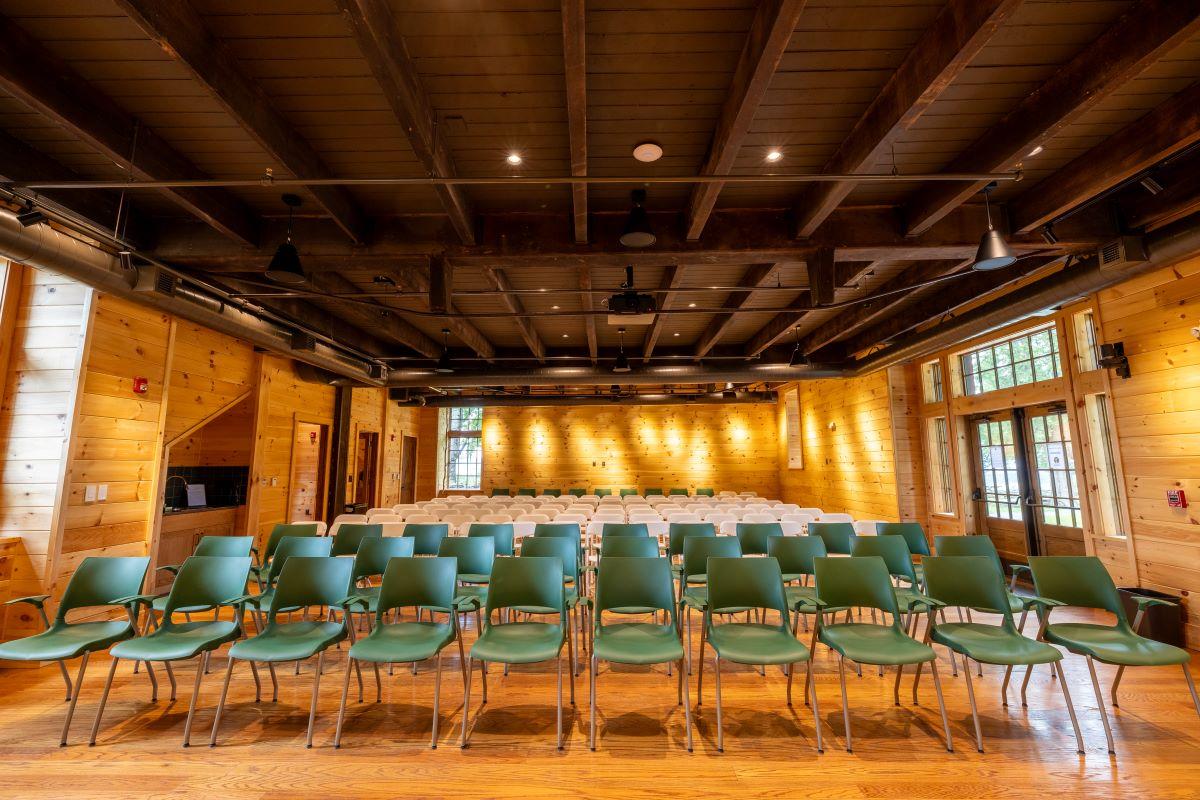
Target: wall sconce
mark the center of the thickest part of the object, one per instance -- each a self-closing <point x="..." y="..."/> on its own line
<point x="832" y="426"/>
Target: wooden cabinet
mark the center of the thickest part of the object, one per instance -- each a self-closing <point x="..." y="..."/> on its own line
<point x="182" y="530"/>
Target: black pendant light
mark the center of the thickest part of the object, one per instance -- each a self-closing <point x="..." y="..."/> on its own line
<point x="285" y="264"/>
<point x="443" y="363"/>
<point x="622" y="362"/>
<point x="993" y="252"/>
<point x="637" y="228"/>
<point x="798" y="358"/>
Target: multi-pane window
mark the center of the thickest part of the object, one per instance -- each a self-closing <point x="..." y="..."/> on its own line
<point x="1086" y="344"/>
<point x="1054" y="470"/>
<point x="463" y="457"/>
<point x="998" y="465"/>
<point x="938" y="440"/>
<point x="1023" y="359"/>
<point x="1108" y="492"/>
<point x="931" y="381"/>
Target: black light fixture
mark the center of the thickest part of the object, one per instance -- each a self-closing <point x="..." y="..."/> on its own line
<point x="622" y="362"/>
<point x="285" y="264"/>
<point x="637" y="231"/>
<point x="993" y="252"/>
<point x="798" y="359"/>
<point x="30" y="215"/>
<point x="443" y="363"/>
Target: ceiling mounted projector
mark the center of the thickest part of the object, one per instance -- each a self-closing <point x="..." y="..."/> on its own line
<point x="629" y="307"/>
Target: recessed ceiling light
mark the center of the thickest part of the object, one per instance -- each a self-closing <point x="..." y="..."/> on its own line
<point x="691" y="305"/>
<point x="676" y="333"/>
<point x="647" y="152"/>
<point x="774" y="155"/>
<point x="554" y="308"/>
<point x="1035" y="151"/>
<point x="566" y="336"/>
<point x="513" y="158"/>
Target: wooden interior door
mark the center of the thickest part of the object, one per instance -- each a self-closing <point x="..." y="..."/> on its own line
<point x="1053" y="501"/>
<point x="408" y="469"/>
<point x="1000" y="487"/>
<point x="310" y="458"/>
<point x="366" y="468"/>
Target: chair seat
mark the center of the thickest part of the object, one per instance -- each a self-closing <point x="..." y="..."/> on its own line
<point x="753" y="643"/>
<point x="519" y="642"/>
<point x="1111" y="644"/>
<point x="697" y="598"/>
<point x="865" y="643"/>
<point x="290" y="641"/>
<point x="183" y="640"/>
<point x="403" y="641"/>
<point x="802" y="599"/>
<point x="638" y="643"/>
<point x="572" y="597"/>
<point x="991" y="644"/>
<point x="477" y="578"/>
<point x="66" y="641"/>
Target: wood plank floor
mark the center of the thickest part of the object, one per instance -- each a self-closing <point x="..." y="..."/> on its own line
<point x="769" y="748"/>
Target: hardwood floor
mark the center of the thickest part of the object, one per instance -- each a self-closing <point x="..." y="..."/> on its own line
<point x="769" y="748"/>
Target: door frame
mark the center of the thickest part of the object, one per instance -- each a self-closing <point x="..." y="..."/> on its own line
<point x="1016" y="417"/>
<point x="416" y="444"/>
<point x="310" y="419"/>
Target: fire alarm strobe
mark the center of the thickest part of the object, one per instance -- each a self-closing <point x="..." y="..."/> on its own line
<point x="1176" y="498"/>
<point x="141" y="385"/>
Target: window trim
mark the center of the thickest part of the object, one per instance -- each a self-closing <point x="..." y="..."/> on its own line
<point x="961" y="375"/>
<point x="447" y="436"/>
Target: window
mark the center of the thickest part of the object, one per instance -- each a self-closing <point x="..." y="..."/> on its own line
<point x="1086" y="345"/>
<point x="1108" y="491"/>
<point x="1027" y="358"/>
<point x="938" y="445"/>
<point x="998" y="465"/>
<point x="931" y="381"/>
<point x="463" y="454"/>
<point x="1054" y="470"/>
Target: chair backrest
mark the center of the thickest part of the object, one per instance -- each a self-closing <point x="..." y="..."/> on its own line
<point x="857" y="582"/>
<point x="474" y="553"/>
<point x="562" y="548"/>
<point x="838" y="536"/>
<point x="228" y="546"/>
<point x="552" y="492"/>
<point x="967" y="582"/>
<point x="495" y="518"/>
<point x="632" y="582"/>
<point x="796" y="554"/>
<point x="289" y="529"/>
<point x="755" y="537"/>
<point x="421" y="518"/>
<point x="697" y="550"/>
<point x="913" y="533"/>
<point x="291" y="546"/>
<point x="98" y="580"/>
<point x="602" y="492"/>
<point x="846" y="518"/>
<point x="527" y="492"/>
<point x="501" y="533"/>
<point x="371" y="512"/>
<point x="677" y="532"/>
<point x="747" y="583"/>
<point x="385" y="519"/>
<point x="576" y="492"/>
<point x="624" y="529"/>
<point x="311" y="581"/>
<point x="536" y="519"/>
<point x="812" y="510"/>
<point x="704" y="491"/>
<point x="527" y="581"/>
<point x="498" y="492"/>
<point x="678" y="491"/>
<point x="629" y="492"/>
<point x="629" y="547"/>
<point x="427" y="535"/>
<point x="892" y="549"/>
<point x="417" y="582"/>
<point x="968" y="546"/>
<point x="568" y="530"/>
<point x="1077" y="581"/>
<point x="578" y="519"/>
<point x="208" y="581"/>
<point x="373" y="554"/>
<point x="351" y="534"/>
<point x="342" y="519"/>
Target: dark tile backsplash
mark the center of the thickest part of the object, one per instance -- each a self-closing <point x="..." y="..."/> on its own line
<point x="223" y="486"/>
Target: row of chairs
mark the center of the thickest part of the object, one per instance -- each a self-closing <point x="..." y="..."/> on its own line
<point x="678" y="491"/>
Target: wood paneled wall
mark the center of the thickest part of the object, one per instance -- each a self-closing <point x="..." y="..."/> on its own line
<point x="727" y="447"/>
<point x="403" y="421"/>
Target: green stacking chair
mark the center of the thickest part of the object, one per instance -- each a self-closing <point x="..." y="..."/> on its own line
<point x="681" y="492"/>
<point x="577" y="492"/>
<point x="427" y="536"/>
<point x="372" y="559"/>
<point x="655" y="492"/>
<point x="894" y="552"/>
<point x="644" y="583"/>
<point x="984" y="547"/>
<point x="567" y="551"/>
<point x="693" y="577"/>
<point x="602" y="492"/>
<point x="474" y="555"/>
<point x="756" y="536"/>
<point x="913" y="535"/>
<point x="421" y="583"/>
<point x="630" y="547"/>
<point x="678" y="533"/>
<point x="527" y="492"/>
<point x="202" y="582"/>
<point x="629" y="492"/>
<point x="502" y="534"/>
<point x="350" y="534"/>
<point x="864" y="582"/>
<point x="735" y="584"/>
<point x="501" y="492"/>
<point x="705" y="491"/>
<point x="552" y="492"/>
<point x="222" y="546"/>
<point x="796" y="556"/>
<point x="565" y="530"/>
<point x="976" y="582"/>
<point x="623" y="529"/>
<point x="289" y="547"/>
<point x="97" y="581"/>
<point x="1083" y="582"/>
<point x="837" y="536"/>
<point x="524" y="582"/>
<point x="297" y="529"/>
<point x="304" y="582"/>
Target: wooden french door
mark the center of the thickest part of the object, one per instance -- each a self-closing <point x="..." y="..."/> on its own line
<point x="1053" y="499"/>
<point x="1000" y="483"/>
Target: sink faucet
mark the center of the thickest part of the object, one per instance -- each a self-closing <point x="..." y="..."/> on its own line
<point x="167" y="485"/>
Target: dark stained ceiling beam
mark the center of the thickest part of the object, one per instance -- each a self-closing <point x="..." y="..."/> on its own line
<point x="957" y="34"/>
<point x="499" y="279"/>
<point x="377" y="319"/>
<point x="181" y="32"/>
<point x="420" y="279"/>
<point x="383" y="47"/>
<point x="820" y="262"/>
<point x="1164" y="131"/>
<point x="756" y="275"/>
<point x="585" y="298"/>
<point x="672" y="279"/>
<point x="1179" y="198"/>
<point x="41" y="81"/>
<point x="575" y="74"/>
<point x="767" y="41"/>
<point x="1144" y="34"/>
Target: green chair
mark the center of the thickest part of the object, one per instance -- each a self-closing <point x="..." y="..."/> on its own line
<point x="644" y="583"/>
<point x="705" y="491"/>
<point x="295" y="529"/>
<point x="975" y="582"/>
<point x="567" y="550"/>
<point x="693" y="577"/>
<point x="577" y="492"/>
<point x="655" y="492"/>
<point x="474" y="555"/>
<point x="896" y="556"/>
<point x="912" y="533"/>
<point x="289" y="547"/>
<point x="371" y="560"/>
<point x="629" y="547"/>
<point x="1083" y="582"/>
<point x="735" y="584"/>
<point x="97" y="581"/>
<point x="517" y="583"/>
<point x="217" y="546"/>
<point x="680" y="492"/>
<point x="756" y="536"/>
<point x="796" y="556"/>
<point x="864" y="582"/>
<point x="427" y="536"/>
<point x="837" y="536"/>
<point x="629" y="492"/>
<point x="501" y="532"/>
<point x="527" y="492"/>
<point x="679" y="532"/>
<point x="983" y="547"/>
<point x="623" y="529"/>
<point x="424" y="584"/>
<point x="304" y="582"/>
<point x="202" y="582"/>
<point x="552" y="492"/>
<point x="501" y="492"/>
<point x="602" y="492"/>
<point x="350" y="534"/>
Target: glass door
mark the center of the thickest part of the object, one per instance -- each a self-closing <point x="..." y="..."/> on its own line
<point x="1053" y="499"/>
<point x="1000" y="487"/>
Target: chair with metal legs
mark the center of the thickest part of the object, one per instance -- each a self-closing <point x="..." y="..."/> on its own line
<point x="305" y="582"/>
<point x="277" y="535"/>
<point x="913" y="535"/>
<point x="420" y="583"/>
<point x="526" y="582"/>
<point x="975" y="582"/>
<point x="796" y="556"/>
<point x="224" y="546"/>
<point x="1083" y="582"/>
<point x="202" y="582"/>
<point x="501" y="532"/>
<point x="96" y="582"/>
<point x="566" y="550"/>
<point x="864" y="582"/>
<point x="474" y="555"/>
<point x="350" y="535"/>
<point x="756" y="536"/>
<point x="427" y="536"/>
<point x="838" y="536"/>
<point x="693" y="588"/>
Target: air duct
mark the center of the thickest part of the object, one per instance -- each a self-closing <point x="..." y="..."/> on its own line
<point x="533" y="400"/>
<point x="688" y="373"/>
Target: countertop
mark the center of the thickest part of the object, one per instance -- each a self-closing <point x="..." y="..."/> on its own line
<point x="197" y="510"/>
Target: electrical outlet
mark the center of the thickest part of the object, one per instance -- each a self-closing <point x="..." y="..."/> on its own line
<point x="102" y="492"/>
<point x="89" y="493"/>
<point x="274" y="480"/>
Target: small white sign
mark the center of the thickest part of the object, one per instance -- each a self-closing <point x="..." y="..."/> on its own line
<point x="195" y="495"/>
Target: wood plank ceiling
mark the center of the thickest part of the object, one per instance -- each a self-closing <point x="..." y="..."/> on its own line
<point x="1084" y="98"/>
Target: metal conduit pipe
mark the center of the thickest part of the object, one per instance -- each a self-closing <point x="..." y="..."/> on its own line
<point x="707" y="398"/>
<point x="47" y="249"/>
<point x="604" y="376"/>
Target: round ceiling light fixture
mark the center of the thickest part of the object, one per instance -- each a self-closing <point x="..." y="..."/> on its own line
<point x="647" y="152"/>
<point x="513" y="159"/>
<point x="774" y="155"/>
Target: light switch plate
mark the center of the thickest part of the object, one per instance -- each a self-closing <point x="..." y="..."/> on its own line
<point x="102" y="492"/>
<point x="89" y="493"/>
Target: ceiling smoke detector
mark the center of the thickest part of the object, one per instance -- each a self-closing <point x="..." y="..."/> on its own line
<point x="647" y="152"/>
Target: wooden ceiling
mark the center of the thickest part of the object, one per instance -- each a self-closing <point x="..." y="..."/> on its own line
<point x="1084" y="98"/>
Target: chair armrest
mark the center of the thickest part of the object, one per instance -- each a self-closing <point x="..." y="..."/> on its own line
<point x="924" y="600"/>
<point x="137" y="599"/>
<point x="1147" y="602"/>
<point x="1018" y="570"/>
<point x="1043" y="602"/>
<point x="355" y="600"/>
<point x="243" y="600"/>
<point x="809" y="602"/>
<point x="171" y="568"/>
<point x="37" y="600"/>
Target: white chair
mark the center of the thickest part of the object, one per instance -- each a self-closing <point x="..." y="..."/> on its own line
<point x="581" y="508"/>
<point x="371" y="512"/>
<point x="392" y="528"/>
<point x="797" y="519"/>
<point x="758" y="508"/>
<point x="814" y="512"/>
<point x="321" y="527"/>
<point x="867" y="527"/>
<point x="759" y="516"/>
<point x="589" y="498"/>
<point x="478" y="497"/>
<point x="405" y="508"/>
<point x="422" y="517"/>
<point x="458" y="522"/>
<point x="385" y="518"/>
<point x="578" y="519"/>
<point x="747" y="494"/>
<point x="835" y="518"/>
<point x="683" y="517"/>
<point x="533" y="519"/>
<point x="726" y="494"/>
<point x="342" y="519"/>
<point x="451" y="499"/>
<point x="718" y="518"/>
<point x="495" y="518"/>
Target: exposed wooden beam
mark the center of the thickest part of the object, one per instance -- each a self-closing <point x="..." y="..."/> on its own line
<point x="756" y="275"/>
<point x="46" y="84"/>
<point x="822" y="276"/>
<point x="1167" y="129"/>
<point x="777" y="328"/>
<point x="1180" y="196"/>
<point x="575" y="73"/>
<point x="851" y="272"/>
<point x="766" y="42"/>
<point x="672" y="279"/>
<point x="181" y="33"/>
<point x="944" y="50"/>
<point x="380" y="320"/>
<point x="420" y="279"/>
<point x="822" y="272"/>
<point x="383" y="47"/>
<point x="585" y="299"/>
<point x="1146" y="32"/>
<point x="498" y="279"/>
<point x="441" y="284"/>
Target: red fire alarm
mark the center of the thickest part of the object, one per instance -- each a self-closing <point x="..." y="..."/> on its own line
<point x="1176" y="498"/>
<point x="141" y="385"/>
<point x="312" y="437"/>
